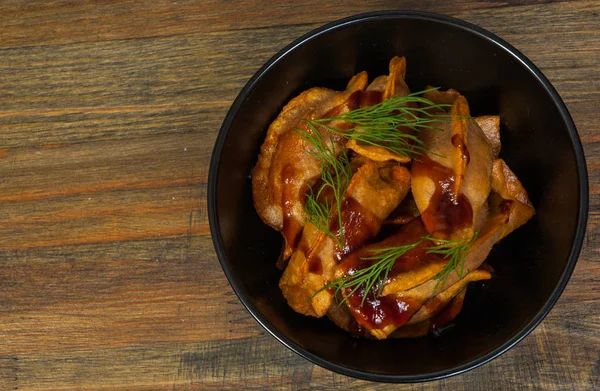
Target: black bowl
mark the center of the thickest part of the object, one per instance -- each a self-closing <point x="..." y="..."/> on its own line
<point x="539" y="142"/>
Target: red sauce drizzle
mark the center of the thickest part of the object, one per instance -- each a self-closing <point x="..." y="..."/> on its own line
<point x="445" y="212"/>
<point x="412" y="259"/>
<point x="359" y="225"/>
<point x="458" y="142"/>
<point x="349" y="209"/>
<point x="314" y="264"/>
<point x="378" y="312"/>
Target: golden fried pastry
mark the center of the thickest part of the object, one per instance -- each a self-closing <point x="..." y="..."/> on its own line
<point x="382" y="88"/>
<point x="451" y="183"/>
<point x="374" y="191"/>
<point x="490" y="125"/>
<point x="284" y="169"/>
<point x="389" y="203"/>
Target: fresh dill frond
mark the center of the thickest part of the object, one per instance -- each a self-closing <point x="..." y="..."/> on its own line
<point x="378" y="125"/>
<point x="318" y="210"/>
<point x="377" y="273"/>
<point x="335" y="175"/>
<point x="385" y="258"/>
<point x="456" y="252"/>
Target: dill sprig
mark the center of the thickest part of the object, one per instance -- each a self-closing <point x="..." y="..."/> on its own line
<point x="335" y="175"/>
<point x="456" y="252"/>
<point x="378" y="125"/>
<point x="385" y="258"/>
<point x="318" y="209"/>
<point x="372" y="275"/>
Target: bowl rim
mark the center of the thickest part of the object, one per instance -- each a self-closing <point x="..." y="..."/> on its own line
<point x="437" y="18"/>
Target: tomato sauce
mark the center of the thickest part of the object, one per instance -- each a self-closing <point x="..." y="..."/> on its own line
<point x="447" y="211"/>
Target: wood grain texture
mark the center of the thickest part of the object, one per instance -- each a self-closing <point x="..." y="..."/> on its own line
<point x="108" y="114"/>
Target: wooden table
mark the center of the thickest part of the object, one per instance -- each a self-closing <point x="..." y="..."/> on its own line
<point x="108" y="115"/>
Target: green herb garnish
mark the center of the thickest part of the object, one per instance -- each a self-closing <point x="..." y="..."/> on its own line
<point x="453" y="250"/>
<point x="456" y="252"/>
<point x="335" y="175"/>
<point x="378" y="125"/>
<point x="370" y="276"/>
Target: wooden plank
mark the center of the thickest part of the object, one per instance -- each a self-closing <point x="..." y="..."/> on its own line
<point x="171" y="70"/>
<point x="108" y="114"/>
<point x="37" y="23"/>
<point x="175" y="71"/>
<point x="109" y="300"/>
<point x="263" y="363"/>
<point x="127" y="294"/>
<point x="53" y="128"/>
<point x="152" y="162"/>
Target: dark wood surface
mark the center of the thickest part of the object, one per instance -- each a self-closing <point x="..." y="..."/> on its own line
<point x="108" y="115"/>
